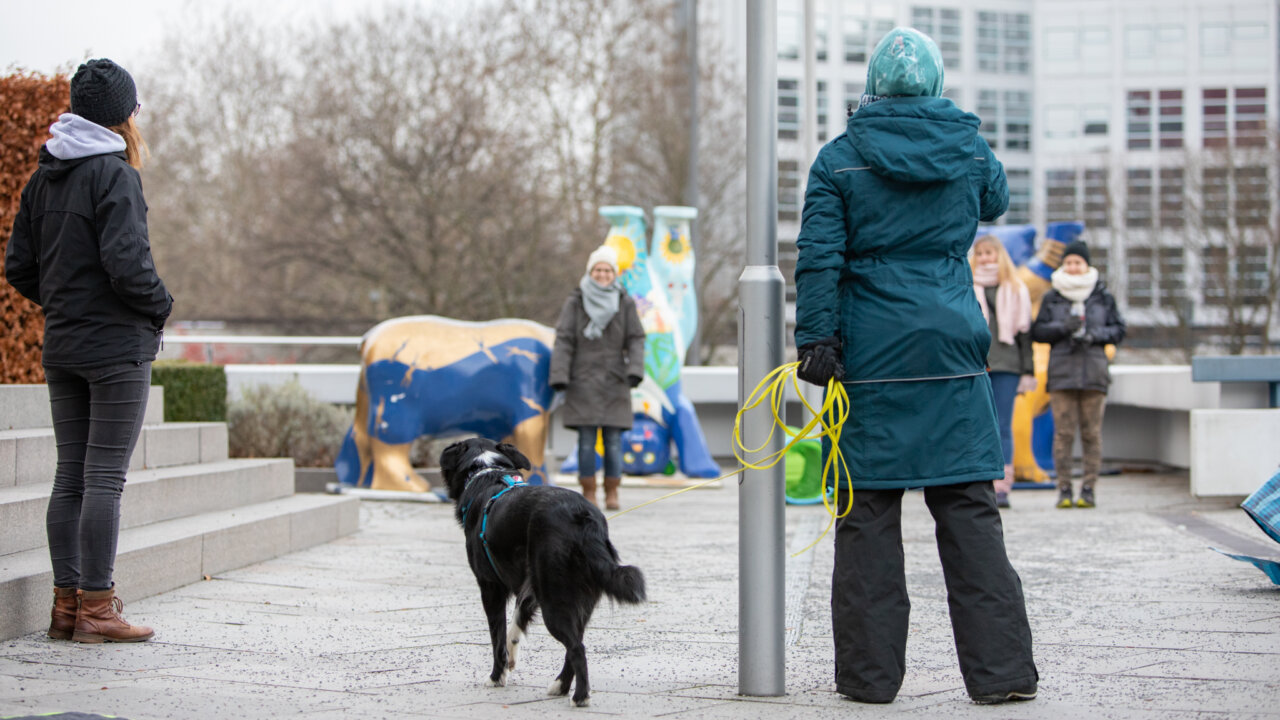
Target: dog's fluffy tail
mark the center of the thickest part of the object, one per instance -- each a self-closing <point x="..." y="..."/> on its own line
<point x="623" y="583"/>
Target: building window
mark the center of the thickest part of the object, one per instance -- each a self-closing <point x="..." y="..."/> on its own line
<point x="989" y="112"/>
<point x="1215" y="270"/>
<point x="1170" y="126"/>
<point x="1139" y="117"/>
<point x="1097" y="199"/>
<point x="1017" y="43"/>
<point x="1251" y="117"/>
<point x="855" y="39"/>
<point x="1138" y="262"/>
<point x="1252" y="206"/>
<point x="1216" y="196"/>
<point x="852" y="96"/>
<point x="788" y="109"/>
<point x="1171" y="199"/>
<point x="1060" y="196"/>
<point x="1252" y="263"/>
<point x="1215" y="117"/>
<point x="788" y="191"/>
<point x="1215" y="40"/>
<point x="1019" y="196"/>
<point x="789" y="30"/>
<point x="943" y="25"/>
<point x="1017" y="120"/>
<point x="1061" y="45"/>
<point x="1098" y="258"/>
<point x="821" y="105"/>
<point x="1137" y="211"/>
<point x="988" y="48"/>
<point x="820" y="33"/>
<point x="1172" y="274"/>
<point x="1095" y="119"/>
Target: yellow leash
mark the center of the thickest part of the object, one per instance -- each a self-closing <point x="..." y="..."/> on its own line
<point x="827" y="422"/>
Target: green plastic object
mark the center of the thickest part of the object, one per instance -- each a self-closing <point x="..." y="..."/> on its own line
<point x="803" y="471"/>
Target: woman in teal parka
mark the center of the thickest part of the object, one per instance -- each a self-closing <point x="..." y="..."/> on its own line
<point x="885" y="302"/>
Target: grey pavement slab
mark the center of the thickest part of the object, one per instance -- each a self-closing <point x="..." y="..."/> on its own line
<point x="1133" y="617"/>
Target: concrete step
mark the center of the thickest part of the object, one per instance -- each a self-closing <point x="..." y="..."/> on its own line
<point x="31" y="455"/>
<point x="27" y="406"/>
<point x="162" y="556"/>
<point x="152" y="496"/>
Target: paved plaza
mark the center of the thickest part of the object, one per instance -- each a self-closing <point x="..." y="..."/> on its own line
<point x="1133" y="617"/>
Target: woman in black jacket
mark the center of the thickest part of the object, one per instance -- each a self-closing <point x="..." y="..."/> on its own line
<point x="597" y="359"/>
<point x="79" y="249"/>
<point x="1079" y="318"/>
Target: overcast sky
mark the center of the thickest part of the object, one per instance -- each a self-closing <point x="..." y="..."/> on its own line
<point x="59" y="34"/>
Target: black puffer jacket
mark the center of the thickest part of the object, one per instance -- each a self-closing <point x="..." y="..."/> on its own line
<point x="79" y="249"/>
<point x="1079" y="363"/>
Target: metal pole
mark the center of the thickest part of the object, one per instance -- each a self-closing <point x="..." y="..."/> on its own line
<point x="761" y="498"/>
<point x="688" y="19"/>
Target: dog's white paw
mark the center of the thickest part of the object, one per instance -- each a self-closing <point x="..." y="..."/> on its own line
<point x="513" y="644"/>
<point x="501" y="681"/>
<point x="584" y="702"/>
<point x="555" y="689"/>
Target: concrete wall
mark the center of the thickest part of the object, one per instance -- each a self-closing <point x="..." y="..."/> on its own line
<point x="1155" y="413"/>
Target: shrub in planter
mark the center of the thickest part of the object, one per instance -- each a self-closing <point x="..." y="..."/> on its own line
<point x="193" y="392"/>
<point x="286" y="421"/>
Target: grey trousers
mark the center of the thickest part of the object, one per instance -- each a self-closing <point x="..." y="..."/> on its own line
<point x="97" y="417"/>
<point x="870" y="607"/>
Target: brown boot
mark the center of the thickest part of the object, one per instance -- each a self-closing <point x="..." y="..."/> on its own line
<point x="62" y="621"/>
<point x="99" y="620"/>
<point x="589" y="488"/>
<point x="611" y="493"/>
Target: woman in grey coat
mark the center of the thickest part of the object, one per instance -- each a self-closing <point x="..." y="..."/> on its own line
<point x="597" y="359"/>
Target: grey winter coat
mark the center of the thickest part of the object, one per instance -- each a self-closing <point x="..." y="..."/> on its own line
<point x="1079" y="363"/>
<point x="595" y="372"/>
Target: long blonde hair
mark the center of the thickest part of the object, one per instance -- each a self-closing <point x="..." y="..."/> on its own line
<point x="135" y="148"/>
<point x="1006" y="271"/>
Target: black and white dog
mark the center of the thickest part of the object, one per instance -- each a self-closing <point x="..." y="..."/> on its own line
<point x="547" y="546"/>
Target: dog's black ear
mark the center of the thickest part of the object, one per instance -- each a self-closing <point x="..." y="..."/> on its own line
<point x="515" y="456"/>
<point x="449" y="457"/>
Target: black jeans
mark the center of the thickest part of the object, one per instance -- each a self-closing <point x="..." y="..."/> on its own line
<point x="97" y="417"/>
<point x="870" y="608"/>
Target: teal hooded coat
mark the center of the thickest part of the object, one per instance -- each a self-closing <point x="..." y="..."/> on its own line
<point x="891" y="209"/>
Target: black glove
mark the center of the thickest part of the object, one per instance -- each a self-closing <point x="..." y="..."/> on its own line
<point x="1072" y="323"/>
<point x="559" y="387"/>
<point x="820" y="361"/>
<point x="1088" y="338"/>
<point x="634" y="380"/>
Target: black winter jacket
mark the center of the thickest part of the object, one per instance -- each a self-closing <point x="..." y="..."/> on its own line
<point x="79" y="249"/>
<point x="1079" y="363"/>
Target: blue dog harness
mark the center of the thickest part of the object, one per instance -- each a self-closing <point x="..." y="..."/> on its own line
<point x="512" y="483"/>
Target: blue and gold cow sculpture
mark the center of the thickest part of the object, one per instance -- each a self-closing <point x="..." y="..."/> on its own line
<point x="433" y="376"/>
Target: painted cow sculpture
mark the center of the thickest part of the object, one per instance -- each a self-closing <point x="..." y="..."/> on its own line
<point x="433" y="376"/>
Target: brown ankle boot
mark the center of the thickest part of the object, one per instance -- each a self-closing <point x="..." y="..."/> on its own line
<point x="99" y="620"/>
<point x="611" y="493"/>
<point x="62" y="621"/>
<point x="589" y="488"/>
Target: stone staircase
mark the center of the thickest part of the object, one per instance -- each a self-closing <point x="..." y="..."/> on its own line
<point x="188" y="511"/>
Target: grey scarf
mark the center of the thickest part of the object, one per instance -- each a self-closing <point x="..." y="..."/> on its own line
<point x="601" y="304"/>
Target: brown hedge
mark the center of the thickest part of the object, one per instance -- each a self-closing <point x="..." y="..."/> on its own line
<point x="29" y="104"/>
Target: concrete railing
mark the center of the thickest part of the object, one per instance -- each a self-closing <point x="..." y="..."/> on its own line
<point x="1155" y="413"/>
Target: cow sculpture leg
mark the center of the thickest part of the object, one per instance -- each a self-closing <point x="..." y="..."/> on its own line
<point x="392" y="469"/>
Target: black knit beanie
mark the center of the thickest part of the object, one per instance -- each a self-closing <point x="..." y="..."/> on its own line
<point x="103" y="92"/>
<point x="1077" y="247"/>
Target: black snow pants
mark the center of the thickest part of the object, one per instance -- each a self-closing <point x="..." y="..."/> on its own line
<point x="870" y="608"/>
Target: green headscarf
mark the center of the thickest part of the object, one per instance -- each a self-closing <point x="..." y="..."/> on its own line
<point x="905" y="62"/>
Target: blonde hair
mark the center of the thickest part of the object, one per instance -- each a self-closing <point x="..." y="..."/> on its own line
<point x="135" y="148"/>
<point x="1006" y="271"/>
